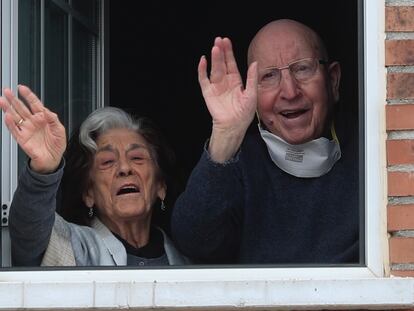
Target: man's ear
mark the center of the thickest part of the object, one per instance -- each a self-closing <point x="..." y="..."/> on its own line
<point x="334" y="73"/>
<point x="88" y="198"/>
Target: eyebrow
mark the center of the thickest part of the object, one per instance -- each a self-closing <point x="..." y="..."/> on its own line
<point x="110" y="148"/>
<point x="292" y="62"/>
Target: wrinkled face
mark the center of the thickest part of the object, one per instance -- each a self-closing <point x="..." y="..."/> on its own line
<point x="296" y="111"/>
<point x="123" y="177"/>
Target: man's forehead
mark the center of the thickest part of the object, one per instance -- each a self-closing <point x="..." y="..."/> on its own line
<point x="281" y="52"/>
<point x="282" y="47"/>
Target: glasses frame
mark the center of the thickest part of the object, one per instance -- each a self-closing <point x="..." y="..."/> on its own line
<point x="288" y="66"/>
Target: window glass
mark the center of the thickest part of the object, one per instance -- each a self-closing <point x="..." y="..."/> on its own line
<point x="29" y="49"/>
<point x="29" y="44"/>
<point x="88" y="9"/>
<point x="56" y="61"/>
<point x="57" y="58"/>
<point x="83" y="73"/>
<point x="71" y="101"/>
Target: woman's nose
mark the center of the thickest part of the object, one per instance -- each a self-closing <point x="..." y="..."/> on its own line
<point x="124" y="168"/>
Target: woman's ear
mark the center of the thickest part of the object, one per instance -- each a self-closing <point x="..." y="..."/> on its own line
<point x="162" y="191"/>
<point x="88" y="198"/>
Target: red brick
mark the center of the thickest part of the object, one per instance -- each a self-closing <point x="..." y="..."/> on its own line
<point x="400" y="152"/>
<point x="399" y="18"/>
<point x="400" y="217"/>
<point x="399" y="52"/>
<point x="400" y="183"/>
<point x="400" y="85"/>
<point x="403" y="273"/>
<point x="401" y="250"/>
<point x="400" y="117"/>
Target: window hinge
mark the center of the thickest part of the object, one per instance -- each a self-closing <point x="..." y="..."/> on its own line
<point x="5" y="214"/>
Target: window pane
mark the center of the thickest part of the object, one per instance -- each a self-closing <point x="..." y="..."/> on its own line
<point x="29" y="51"/>
<point x="56" y="62"/>
<point x="88" y="9"/>
<point x="29" y="44"/>
<point x="83" y="74"/>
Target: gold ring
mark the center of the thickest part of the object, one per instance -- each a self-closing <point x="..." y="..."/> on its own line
<point x="20" y="122"/>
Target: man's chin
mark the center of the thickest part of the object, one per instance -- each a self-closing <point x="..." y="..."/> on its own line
<point x="297" y="139"/>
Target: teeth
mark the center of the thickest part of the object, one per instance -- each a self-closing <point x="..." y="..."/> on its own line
<point x="292" y="112"/>
<point x="129" y="187"/>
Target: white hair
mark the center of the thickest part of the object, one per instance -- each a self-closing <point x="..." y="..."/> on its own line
<point x="102" y="120"/>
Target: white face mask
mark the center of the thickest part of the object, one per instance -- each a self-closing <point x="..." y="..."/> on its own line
<point x="312" y="159"/>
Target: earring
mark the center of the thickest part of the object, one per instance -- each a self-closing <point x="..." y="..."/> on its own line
<point x="163" y="207"/>
<point x="90" y="212"/>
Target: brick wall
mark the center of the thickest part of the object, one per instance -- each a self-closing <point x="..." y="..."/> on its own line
<point x="399" y="60"/>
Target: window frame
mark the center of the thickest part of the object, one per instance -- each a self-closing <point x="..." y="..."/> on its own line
<point x="217" y="288"/>
<point x="9" y="78"/>
<point x="9" y="155"/>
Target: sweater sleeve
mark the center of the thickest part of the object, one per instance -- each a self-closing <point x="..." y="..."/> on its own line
<point x="32" y="214"/>
<point x="207" y="216"/>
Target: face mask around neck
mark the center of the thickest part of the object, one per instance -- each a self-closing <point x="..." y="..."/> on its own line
<point x="312" y="159"/>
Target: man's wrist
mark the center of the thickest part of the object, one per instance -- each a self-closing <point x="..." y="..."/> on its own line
<point x="223" y="147"/>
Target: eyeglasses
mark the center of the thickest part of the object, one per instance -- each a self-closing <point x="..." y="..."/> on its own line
<point x="302" y="70"/>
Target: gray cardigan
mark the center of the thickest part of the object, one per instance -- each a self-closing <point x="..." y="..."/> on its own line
<point x="40" y="236"/>
<point x="74" y="245"/>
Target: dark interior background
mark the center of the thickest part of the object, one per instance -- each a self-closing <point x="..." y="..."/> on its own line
<point x="155" y="48"/>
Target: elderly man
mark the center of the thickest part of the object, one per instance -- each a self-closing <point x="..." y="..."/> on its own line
<point x="285" y="193"/>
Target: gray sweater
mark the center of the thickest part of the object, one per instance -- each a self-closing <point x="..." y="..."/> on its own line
<point x="40" y="236"/>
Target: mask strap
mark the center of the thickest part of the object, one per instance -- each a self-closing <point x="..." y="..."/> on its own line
<point x="258" y="119"/>
<point x="333" y="133"/>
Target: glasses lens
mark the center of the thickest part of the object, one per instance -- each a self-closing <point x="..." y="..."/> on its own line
<point x="269" y="77"/>
<point x="303" y="69"/>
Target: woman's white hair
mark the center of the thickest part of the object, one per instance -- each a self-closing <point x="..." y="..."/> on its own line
<point x="102" y="120"/>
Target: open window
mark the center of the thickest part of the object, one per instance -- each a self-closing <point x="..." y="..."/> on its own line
<point x="154" y="53"/>
<point x="155" y="49"/>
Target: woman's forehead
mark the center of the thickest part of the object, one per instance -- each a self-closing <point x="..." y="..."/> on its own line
<point x="120" y="136"/>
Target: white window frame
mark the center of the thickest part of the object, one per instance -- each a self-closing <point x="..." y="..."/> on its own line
<point x="219" y="288"/>
<point x="8" y="66"/>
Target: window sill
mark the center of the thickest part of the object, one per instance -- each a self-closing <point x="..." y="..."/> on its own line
<point x="212" y="289"/>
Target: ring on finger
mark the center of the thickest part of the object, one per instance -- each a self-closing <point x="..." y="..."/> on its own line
<point x="20" y="122"/>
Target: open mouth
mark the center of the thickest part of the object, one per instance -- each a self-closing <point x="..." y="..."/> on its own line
<point x="291" y="114"/>
<point x="127" y="189"/>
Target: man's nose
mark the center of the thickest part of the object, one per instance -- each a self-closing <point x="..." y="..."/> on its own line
<point x="288" y="84"/>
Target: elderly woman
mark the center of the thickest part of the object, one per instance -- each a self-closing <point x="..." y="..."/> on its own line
<point x="116" y="175"/>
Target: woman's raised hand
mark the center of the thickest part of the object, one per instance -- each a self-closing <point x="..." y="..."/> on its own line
<point x="36" y="129"/>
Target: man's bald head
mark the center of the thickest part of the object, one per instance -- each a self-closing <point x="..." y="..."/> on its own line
<point x="283" y="29"/>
